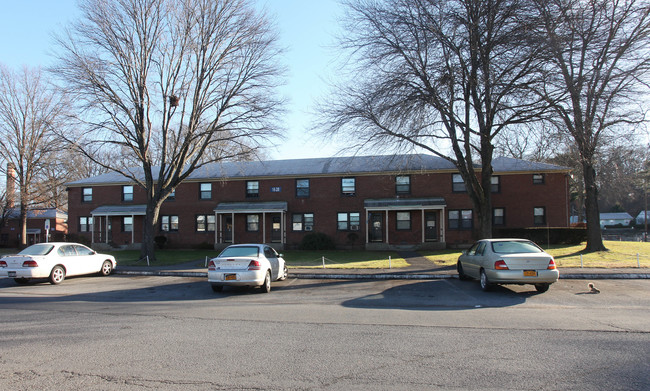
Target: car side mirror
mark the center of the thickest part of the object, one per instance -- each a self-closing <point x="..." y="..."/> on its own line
<point x="280" y="255"/>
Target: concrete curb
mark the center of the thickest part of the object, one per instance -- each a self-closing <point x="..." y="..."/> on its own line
<point x="384" y="276"/>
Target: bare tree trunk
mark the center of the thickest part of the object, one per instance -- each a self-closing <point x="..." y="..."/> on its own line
<point x="149" y="230"/>
<point x="23" y="226"/>
<point x="594" y="237"/>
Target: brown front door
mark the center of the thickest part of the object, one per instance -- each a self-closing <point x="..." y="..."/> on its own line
<point x="431" y="226"/>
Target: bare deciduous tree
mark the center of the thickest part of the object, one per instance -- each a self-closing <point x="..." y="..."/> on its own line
<point x="164" y="82"/>
<point x="446" y="77"/>
<point x="30" y="110"/>
<point x="597" y="64"/>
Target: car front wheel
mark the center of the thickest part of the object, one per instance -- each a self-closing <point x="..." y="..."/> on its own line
<point x="57" y="275"/>
<point x="285" y="273"/>
<point x="485" y="283"/>
<point x="266" y="287"/>
<point x="107" y="268"/>
<point x="461" y="273"/>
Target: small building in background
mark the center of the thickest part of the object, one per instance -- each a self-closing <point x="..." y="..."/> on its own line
<point x="36" y="221"/>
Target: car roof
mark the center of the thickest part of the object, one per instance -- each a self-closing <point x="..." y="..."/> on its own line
<point x="506" y="240"/>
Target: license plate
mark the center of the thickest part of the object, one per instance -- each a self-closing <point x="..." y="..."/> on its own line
<point x="530" y="273"/>
<point x="229" y="277"/>
<point x="12" y="274"/>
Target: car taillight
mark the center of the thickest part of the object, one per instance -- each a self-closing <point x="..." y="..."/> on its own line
<point x="30" y="264"/>
<point x="551" y="265"/>
<point x="501" y="265"/>
<point x="3" y="264"/>
<point x="212" y="266"/>
<point x="254" y="265"/>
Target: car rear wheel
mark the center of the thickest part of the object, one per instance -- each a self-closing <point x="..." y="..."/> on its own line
<point x="107" y="268"/>
<point x="485" y="283"/>
<point x="57" y="275"/>
<point x="541" y="288"/>
<point x="266" y="287"/>
<point x="217" y="288"/>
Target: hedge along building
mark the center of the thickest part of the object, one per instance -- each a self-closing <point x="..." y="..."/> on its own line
<point x="372" y="202"/>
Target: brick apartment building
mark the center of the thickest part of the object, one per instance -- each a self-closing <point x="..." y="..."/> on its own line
<point x="373" y="202"/>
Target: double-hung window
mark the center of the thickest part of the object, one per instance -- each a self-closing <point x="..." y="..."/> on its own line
<point x="205" y="191"/>
<point x="495" y="184"/>
<point x="403" y="184"/>
<point x="348" y="186"/>
<point x="127" y="224"/>
<point x="85" y="223"/>
<point x="127" y="193"/>
<point x="458" y="184"/>
<point x="252" y="189"/>
<point x="252" y="223"/>
<point x="302" y="188"/>
<point x="205" y="223"/>
<point x="87" y="194"/>
<point x="499" y="216"/>
<point x="169" y="223"/>
<point x="539" y="214"/>
<point x="460" y="219"/>
<point x="403" y="221"/>
<point x="303" y="222"/>
<point x="348" y="221"/>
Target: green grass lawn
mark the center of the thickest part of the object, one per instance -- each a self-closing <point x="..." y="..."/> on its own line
<point x="620" y="255"/>
<point x="344" y="259"/>
<point x="163" y="257"/>
<point x="295" y="259"/>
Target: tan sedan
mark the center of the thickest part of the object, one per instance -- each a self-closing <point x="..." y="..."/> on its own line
<point x="508" y="261"/>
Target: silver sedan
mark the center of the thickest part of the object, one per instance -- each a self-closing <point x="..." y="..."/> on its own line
<point x="508" y="261"/>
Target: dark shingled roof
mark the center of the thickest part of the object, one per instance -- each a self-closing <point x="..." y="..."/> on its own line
<point x="330" y="167"/>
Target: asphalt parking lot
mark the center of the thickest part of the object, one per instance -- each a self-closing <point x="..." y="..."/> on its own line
<point x="144" y="332"/>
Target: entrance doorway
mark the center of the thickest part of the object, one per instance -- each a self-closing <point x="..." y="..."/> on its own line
<point x="376" y="231"/>
<point x="276" y="229"/>
<point x="227" y="229"/>
<point x="430" y="226"/>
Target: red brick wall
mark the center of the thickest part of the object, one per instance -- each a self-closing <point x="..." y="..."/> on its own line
<point x="518" y="195"/>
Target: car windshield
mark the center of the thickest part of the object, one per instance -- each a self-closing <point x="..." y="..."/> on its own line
<point x="515" y="247"/>
<point x="37" y="249"/>
<point x="242" y="251"/>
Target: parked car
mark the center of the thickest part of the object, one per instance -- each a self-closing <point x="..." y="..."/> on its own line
<point x="508" y="261"/>
<point x="246" y="265"/>
<point x="55" y="261"/>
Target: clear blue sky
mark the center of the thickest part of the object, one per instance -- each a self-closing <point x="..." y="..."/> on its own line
<point x="306" y="28"/>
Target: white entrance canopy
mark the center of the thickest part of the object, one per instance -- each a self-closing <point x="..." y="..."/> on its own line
<point x="262" y="208"/>
<point x="402" y="204"/>
<point x="117" y="210"/>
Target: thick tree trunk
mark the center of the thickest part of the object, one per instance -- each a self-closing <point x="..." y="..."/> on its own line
<point x="23" y="225"/>
<point x="594" y="237"/>
<point x="149" y="230"/>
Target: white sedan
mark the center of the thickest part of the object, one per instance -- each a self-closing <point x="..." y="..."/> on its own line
<point x="246" y="265"/>
<point x="508" y="261"/>
<point x="55" y="261"/>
